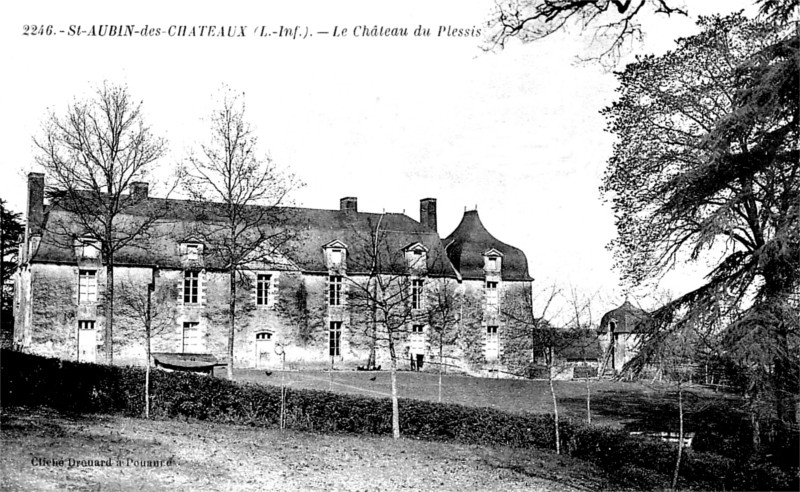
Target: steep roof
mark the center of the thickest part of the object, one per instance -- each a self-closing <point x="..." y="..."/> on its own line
<point x="312" y="229"/>
<point x="628" y="319"/>
<point x="466" y="245"/>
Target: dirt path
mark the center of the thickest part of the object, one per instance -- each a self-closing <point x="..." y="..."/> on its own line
<point x="133" y="454"/>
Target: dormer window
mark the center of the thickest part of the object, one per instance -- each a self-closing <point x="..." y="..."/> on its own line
<point x="493" y="261"/>
<point x="335" y="255"/>
<point x="416" y="256"/>
<point x="88" y="248"/>
<point x="192" y="251"/>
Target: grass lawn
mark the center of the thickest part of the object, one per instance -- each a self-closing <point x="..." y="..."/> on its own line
<point x="631" y="405"/>
<point x="210" y="457"/>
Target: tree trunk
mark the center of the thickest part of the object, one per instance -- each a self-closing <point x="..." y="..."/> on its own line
<point x="588" y="402"/>
<point x="555" y="404"/>
<point x="754" y="424"/>
<point x="232" y="321"/>
<point x="441" y="364"/>
<point x="395" y="404"/>
<point x="109" y="309"/>
<point x="147" y="325"/>
<point x="680" y="438"/>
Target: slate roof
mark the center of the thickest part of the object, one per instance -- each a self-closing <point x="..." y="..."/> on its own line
<point x="628" y="318"/>
<point x="583" y="344"/>
<point x="466" y="245"/>
<point x="313" y="228"/>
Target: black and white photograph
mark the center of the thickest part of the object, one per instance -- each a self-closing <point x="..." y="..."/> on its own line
<point x="346" y="245"/>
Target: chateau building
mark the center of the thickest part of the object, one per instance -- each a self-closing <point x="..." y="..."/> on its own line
<point x="305" y="300"/>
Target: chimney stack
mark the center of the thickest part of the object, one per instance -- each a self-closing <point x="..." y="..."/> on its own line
<point x="139" y="190"/>
<point x="348" y="204"/>
<point x="427" y="213"/>
<point x="35" y="204"/>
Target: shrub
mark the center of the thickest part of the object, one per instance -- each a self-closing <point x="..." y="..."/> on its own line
<point x="29" y="380"/>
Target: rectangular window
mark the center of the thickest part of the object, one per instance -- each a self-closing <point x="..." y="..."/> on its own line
<point x="262" y="289"/>
<point x="491" y="294"/>
<point x="336" y="256"/>
<point x="417" y="328"/>
<point x="335" y="290"/>
<point x="191" y="286"/>
<point x="87" y="286"/>
<point x="493" y="263"/>
<point x="416" y="294"/>
<point x="335" y="339"/>
<point x="491" y="330"/>
<point x="191" y="338"/>
<point x="86" y="325"/>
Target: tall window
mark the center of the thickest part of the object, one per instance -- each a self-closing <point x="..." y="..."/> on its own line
<point x="191" y="338"/>
<point x="493" y="263"/>
<point x="87" y="286"/>
<point x="262" y="289"/>
<point x="191" y="286"/>
<point x="491" y="294"/>
<point x="335" y="339"/>
<point x="416" y="294"/>
<point x="492" y="343"/>
<point x="336" y="256"/>
<point x="335" y="290"/>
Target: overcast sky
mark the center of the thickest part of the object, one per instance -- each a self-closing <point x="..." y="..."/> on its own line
<point x="389" y="120"/>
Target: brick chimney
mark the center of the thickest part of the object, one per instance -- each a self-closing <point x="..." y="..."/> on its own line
<point x="139" y="189"/>
<point x="35" y="204"/>
<point x="348" y="204"/>
<point x="427" y="213"/>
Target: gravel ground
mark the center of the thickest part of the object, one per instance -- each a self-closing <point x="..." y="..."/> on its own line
<point x="136" y="454"/>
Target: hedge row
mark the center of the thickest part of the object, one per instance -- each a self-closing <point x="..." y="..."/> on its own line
<point x="29" y="380"/>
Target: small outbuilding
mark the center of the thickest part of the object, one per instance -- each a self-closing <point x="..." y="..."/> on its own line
<point x="619" y="334"/>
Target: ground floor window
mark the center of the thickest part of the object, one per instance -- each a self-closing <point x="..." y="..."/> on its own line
<point x="335" y="339"/>
<point x="192" y="342"/>
<point x="492" y="343"/>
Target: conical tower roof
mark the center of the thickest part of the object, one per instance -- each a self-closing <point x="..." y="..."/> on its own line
<point x="467" y="244"/>
<point x="627" y="319"/>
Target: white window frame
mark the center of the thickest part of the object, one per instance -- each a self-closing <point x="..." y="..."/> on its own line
<point x="263" y="289"/>
<point x="492" y="296"/>
<point x="192" y="325"/>
<point x="335" y="339"/>
<point x="191" y="287"/>
<point x="87" y="286"/>
<point x="335" y="283"/>
<point x="417" y="291"/>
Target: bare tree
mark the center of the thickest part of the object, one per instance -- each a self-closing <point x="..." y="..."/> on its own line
<point x="581" y="323"/>
<point x="533" y="325"/>
<point x="239" y="199"/>
<point x="442" y="312"/>
<point x="93" y="155"/>
<point x="388" y="290"/>
<point x="148" y="305"/>
<point x="615" y="23"/>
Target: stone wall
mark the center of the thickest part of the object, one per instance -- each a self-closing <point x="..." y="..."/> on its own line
<point x="297" y="318"/>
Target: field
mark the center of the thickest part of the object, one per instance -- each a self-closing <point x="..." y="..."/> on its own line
<point x="634" y="406"/>
<point x="211" y="457"/>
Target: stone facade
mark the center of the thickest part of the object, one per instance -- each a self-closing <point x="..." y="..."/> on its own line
<point x="304" y="304"/>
